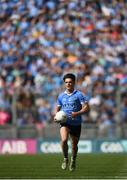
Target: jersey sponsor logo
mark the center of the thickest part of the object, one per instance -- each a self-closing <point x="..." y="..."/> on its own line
<point x="69" y="106"/>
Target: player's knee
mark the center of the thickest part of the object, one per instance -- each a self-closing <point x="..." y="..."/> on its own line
<point x="64" y="141"/>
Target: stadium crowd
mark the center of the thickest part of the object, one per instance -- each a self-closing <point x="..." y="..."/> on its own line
<point x="40" y="40"/>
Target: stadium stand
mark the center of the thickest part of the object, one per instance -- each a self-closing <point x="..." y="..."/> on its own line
<point x="43" y="39"/>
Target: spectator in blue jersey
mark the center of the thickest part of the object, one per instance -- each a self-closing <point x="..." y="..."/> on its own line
<point x="74" y="103"/>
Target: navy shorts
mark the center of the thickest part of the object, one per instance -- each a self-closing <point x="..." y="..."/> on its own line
<point x="73" y="130"/>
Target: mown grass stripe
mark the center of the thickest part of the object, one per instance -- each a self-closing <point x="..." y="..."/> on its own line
<point x="89" y="166"/>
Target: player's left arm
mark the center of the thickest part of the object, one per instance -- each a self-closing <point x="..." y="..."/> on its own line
<point x="84" y="106"/>
<point x="84" y="109"/>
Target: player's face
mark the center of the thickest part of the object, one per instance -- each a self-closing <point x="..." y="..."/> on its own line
<point x="69" y="84"/>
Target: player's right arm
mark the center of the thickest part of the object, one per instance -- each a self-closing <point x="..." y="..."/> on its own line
<point x="57" y="108"/>
<point x="59" y="103"/>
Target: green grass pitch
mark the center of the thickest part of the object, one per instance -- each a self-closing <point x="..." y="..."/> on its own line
<point x="48" y="166"/>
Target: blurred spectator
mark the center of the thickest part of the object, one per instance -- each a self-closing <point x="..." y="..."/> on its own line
<point x="5" y="117"/>
<point x="26" y="111"/>
<point x="105" y="126"/>
<point x="123" y="111"/>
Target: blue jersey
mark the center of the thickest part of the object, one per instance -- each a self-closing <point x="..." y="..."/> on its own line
<point x="71" y="103"/>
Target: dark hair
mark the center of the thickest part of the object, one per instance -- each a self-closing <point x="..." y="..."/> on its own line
<point x="69" y="75"/>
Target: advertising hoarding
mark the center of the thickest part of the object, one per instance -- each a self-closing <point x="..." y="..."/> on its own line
<point x="111" y="146"/>
<point x="18" y="146"/>
<point x="84" y="146"/>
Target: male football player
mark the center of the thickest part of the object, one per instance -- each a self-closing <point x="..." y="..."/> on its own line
<point x="74" y="103"/>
